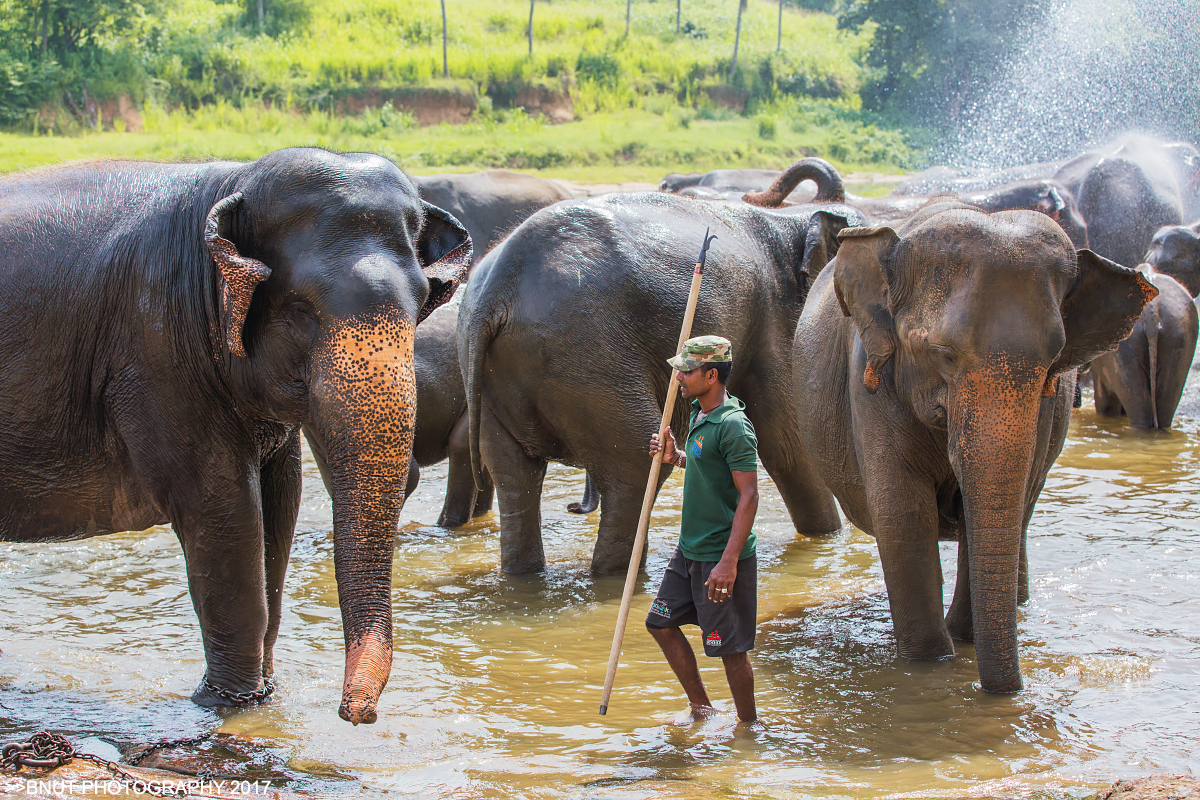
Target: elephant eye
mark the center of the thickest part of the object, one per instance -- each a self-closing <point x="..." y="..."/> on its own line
<point x="943" y="353"/>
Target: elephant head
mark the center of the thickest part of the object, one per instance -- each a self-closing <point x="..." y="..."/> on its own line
<point x="1175" y="251"/>
<point x="324" y="265"/>
<point x="977" y="315"/>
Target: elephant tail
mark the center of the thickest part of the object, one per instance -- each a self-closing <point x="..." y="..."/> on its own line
<point x="1152" y="325"/>
<point x="473" y="346"/>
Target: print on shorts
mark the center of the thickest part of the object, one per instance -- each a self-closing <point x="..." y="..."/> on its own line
<point x="713" y="639"/>
<point x="661" y="608"/>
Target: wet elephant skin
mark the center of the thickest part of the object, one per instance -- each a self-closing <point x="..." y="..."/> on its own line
<point x="1175" y="251"/>
<point x="563" y="334"/>
<point x="934" y="372"/>
<point x="167" y="331"/>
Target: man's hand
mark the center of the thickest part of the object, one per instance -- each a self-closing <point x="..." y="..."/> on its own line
<point x="670" y="453"/>
<point x="720" y="580"/>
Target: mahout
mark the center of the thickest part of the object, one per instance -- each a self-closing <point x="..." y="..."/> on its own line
<point x="1144" y="377"/>
<point x="490" y="203"/>
<point x="935" y="367"/>
<point x="166" y="330"/>
<point x="565" y="327"/>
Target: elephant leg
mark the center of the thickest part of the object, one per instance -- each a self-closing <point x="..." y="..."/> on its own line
<point x="591" y="497"/>
<point x="483" y="498"/>
<point x="1107" y="403"/>
<point x="519" y="491"/>
<point x="281" y="484"/>
<point x="810" y="505"/>
<point x="958" y="619"/>
<point x="905" y="519"/>
<point x="460" y="485"/>
<point x="224" y="547"/>
<point x="619" y="513"/>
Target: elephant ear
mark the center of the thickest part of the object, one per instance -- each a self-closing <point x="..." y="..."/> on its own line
<point x="861" y="276"/>
<point x="444" y="250"/>
<point x="821" y="242"/>
<point x="239" y="274"/>
<point x="1099" y="310"/>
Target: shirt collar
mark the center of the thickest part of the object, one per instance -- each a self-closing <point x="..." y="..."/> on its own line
<point x="731" y="403"/>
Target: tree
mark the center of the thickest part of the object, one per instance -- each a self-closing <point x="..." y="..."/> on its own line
<point x="530" y="30"/>
<point x="779" y="35"/>
<point x="678" y="4"/>
<point x="628" y="4"/>
<point x="736" y="39"/>
<point x="445" y="63"/>
<point x="932" y="55"/>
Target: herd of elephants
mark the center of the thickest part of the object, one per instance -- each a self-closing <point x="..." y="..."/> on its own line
<point x="168" y="331"/>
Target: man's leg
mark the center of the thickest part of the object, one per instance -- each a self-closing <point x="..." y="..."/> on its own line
<point x="682" y="659"/>
<point x="740" y="675"/>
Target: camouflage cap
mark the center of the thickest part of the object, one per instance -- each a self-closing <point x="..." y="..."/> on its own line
<point x="701" y="350"/>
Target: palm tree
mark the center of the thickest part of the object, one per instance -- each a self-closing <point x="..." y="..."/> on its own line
<point x="445" y="63"/>
<point x="736" y="38"/>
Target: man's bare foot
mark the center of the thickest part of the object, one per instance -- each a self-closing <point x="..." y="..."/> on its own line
<point x="693" y="713"/>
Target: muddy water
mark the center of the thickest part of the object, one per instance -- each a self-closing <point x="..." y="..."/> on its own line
<point x="497" y="679"/>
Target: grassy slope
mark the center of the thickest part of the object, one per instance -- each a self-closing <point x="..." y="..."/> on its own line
<point x="632" y="126"/>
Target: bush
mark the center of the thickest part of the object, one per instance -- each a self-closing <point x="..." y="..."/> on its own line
<point x="766" y="127"/>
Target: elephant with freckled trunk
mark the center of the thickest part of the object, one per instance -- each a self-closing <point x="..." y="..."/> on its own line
<point x="167" y="329"/>
<point x="935" y="367"/>
<point x="1144" y="377"/>
<point x="565" y="330"/>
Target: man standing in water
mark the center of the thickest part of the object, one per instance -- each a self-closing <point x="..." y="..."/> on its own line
<point x="712" y="578"/>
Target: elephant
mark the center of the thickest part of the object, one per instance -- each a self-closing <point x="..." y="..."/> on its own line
<point x="564" y="331"/>
<point x="953" y="180"/>
<point x="441" y="427"/>
<point x="1047" y="196"/>
<point x="739" y="180"/>
<point x="934" y="369"/>
<point x="490" y="203"/>
<point x="170" y="328"/>
<point x="1126" y="190"/>
<point x="1175" y="251"/>
<point x="1144" y="377"/>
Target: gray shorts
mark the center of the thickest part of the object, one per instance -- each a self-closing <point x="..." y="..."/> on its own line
<point x="728" y="627"/>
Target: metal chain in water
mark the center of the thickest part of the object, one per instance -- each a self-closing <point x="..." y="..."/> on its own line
<point x="46" y="750"/>
<point x="241" y="698"/>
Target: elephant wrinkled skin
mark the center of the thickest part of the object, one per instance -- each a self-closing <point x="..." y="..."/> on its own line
<point x="565" y="330"/>
<point x="167" y="330"/>
<point x="934" y="372"/>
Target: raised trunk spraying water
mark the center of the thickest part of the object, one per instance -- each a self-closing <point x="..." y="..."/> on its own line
<point x="993" y="430"/>
<point x="364" y="396"/>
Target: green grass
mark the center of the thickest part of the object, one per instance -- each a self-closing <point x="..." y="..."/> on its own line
<point x="633" y="144"/>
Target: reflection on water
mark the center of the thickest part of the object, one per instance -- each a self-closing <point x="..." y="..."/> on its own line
<point x="496" y="681"/>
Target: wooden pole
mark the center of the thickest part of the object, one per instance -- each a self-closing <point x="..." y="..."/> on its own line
<point x="635" y="558"/>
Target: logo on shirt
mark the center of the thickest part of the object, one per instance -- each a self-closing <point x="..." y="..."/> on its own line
<point x="713" y="639"/>
<point x="660" y="608"/>
<point x="697" y="446"/>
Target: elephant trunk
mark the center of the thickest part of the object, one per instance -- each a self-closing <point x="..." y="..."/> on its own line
<point x="993" y="431"/>
<point x="364" y="400"/>
<point x="829" y="184"/>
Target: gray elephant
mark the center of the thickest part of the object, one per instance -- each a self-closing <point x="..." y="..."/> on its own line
<point x="1047" y="196"/>
<point x="737" y="180"/>
<point x="934" y="372"/>
<point x="565" y="328"/>
<point x="1175" y="251"/>
<point x="168" y="329"/>
<point x="491" y="203"/>
<point x="441" y="429"/>
<point x="1144" y="377"/>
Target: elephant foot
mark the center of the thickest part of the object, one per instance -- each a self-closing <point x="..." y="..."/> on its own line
<point x="578" y="508"/>
<point x="451" y="521"/>
<point x="935" y="647"/>
<point x="524" y="564"/>
<point x="209" y="695"/>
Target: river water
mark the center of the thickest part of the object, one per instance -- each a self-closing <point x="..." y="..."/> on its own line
<point x="496" y="682"/>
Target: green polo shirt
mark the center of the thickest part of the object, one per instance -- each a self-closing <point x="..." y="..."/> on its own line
<point x="722" y="441"/>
